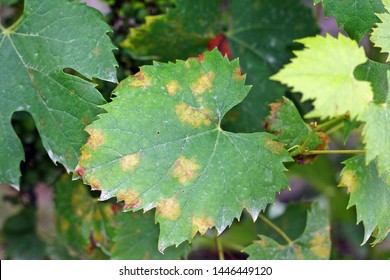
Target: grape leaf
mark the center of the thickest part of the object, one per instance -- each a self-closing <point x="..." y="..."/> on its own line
<point x="370" y="194"/>
<point x="51" y="36"/>
<point x="183" y="32"/>
<point x="83" y="224"/>
<point x="381" y="35"/>
<point x="261" y="35"/>
<point x="136" y="238"/>
<point x="356" y="17"/>
<point x="161" y="146"/>
<point x="323" y="71"/>
<point x="313" y="244"/>
<point x="285" y="122"/>
<point x="375" y="73"/>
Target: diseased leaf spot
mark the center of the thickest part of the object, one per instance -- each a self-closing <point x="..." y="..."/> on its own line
<point x="193" y="116"/>
<point x="203" y="83"/>
<point x="168" y="209"/>
<point x="237" y="75"/>
<point x="140" y="80"/>
<point x="130" y="198"/>
<point x="201" y="224"/>
<point x="96" y="138"/>
<point x="97" y="51"/>
<point x="85" y="154"/>
<point x="319" y="246"/>
<point x="130" y="162"/>
<point x="172" y="87"/>
<point x="274" y="146"/>
<point x="349" y="180"/>
<point x="94" y="183"/>
<point x="185" y="169"/>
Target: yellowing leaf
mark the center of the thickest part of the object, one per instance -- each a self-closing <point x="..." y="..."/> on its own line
<point x="323" y="71"/>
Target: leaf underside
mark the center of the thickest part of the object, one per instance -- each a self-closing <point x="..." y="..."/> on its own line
<point x="51" y="36"/>
<point x="161" y="146"/>
<point x="380" y="35"/>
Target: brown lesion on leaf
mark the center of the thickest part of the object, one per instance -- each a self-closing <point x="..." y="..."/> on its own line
<point x="96" y="138"/>
<point x="195" y="117"/>
<point x="94" y="183"/>
<point x="130" y="197"/>
<point x="319" y="245"/>
<point x="173" y="87"/>
<point x="203" y="83"/>
<point x="185" y="169"/>
<point x="200" y="224"/>
<point x="85" y="154"/>
<point x="130" y="162"/>
<point x="140" y="80"/>
<point x="169" y="209"/>
<point x="237" y="75"/>
<point x="349" y="180"/>
<point x="274" y="146"/>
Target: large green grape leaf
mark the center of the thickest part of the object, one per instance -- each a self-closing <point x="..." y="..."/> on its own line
<point x="136" y="238"/>
<point x="313" y="244"/>
<point x="381" y="34"/>
<point x="161" y="146"/>
<point x="323" y="71"/>
<point x="376" y="133"/>
<point x="357" y="17"/>
<point x="84" y="225"/>
<point x="261" y="35"/>
<point x="285" y="122"/>
<point x="370" y="194"/>
<point x="51" y="36"/>
<point x="183" y="32"/>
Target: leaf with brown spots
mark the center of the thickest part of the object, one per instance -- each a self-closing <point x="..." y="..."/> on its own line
<point x="49" y="37"/>
<point x="370" y="194"/>
<point x="164" y="148"/>
<point x="84" y="225"/>
<point x="313" y="244"/>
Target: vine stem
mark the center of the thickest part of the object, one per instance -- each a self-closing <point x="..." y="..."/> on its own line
<point x="219" y="248"/>
<point x="276" y="228"/>
<point x="318" y="152"/>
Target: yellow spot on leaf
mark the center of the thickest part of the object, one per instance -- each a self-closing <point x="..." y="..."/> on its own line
<point x="64" y="225"/>
<point x="130" y="162"/>
<point x="94" y="183"/>
<point x="172" y="87"/>
<point x="96" y="138"/>
<point x="141" y="80"/>
<point x="298" y="252"/>
<point x="130" y="197"/>
<point x="349" y="180"/>
<point x="203" y="83"/>
<point x="237" y="75"/>
<point x="193" y="116"/>
<point x="274" y="146"/>
<point x="97" y="51"/>
<point x="201" y="224"/>
<point x="168" y="209"/>
<point x="185" y="169"/>
<point x="85" y="154"/>
<point x="319" y="245"/>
